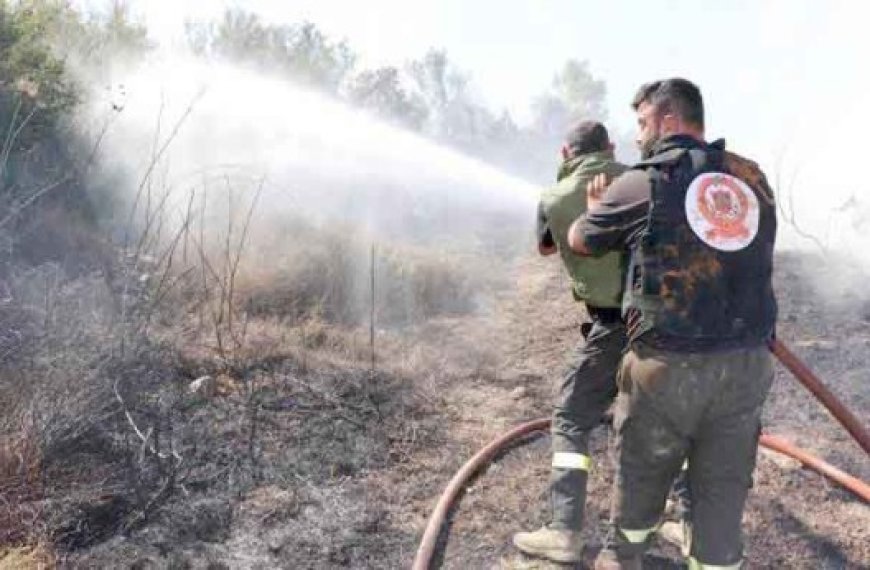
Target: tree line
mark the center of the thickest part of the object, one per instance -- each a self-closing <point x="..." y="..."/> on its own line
<point x="41" y="41"/>
<point x="430" y="94"/>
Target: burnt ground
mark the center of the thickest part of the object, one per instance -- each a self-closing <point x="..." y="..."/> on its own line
<point x="346" y="463"/>
<point x="795" y="518"/>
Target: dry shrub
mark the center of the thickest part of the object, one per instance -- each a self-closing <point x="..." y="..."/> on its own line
<point x="317" y="273"/>
<point x="47" y="395"/>
<point x="99" y="431"/>
<point x="328" y="273"/>
<point x="20" y="485"/>
<point x="54" y="234"/>
<point x="68" y="470"/>
<point x="38" y="557"/>
<point x="20" y="456"/>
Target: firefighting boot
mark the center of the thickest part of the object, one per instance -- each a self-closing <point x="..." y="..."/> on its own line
<point x="608" y="560"/>
<point x="676" y="533"/>
<point x="558" y="545"/>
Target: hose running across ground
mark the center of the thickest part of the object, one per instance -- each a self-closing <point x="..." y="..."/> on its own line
<point x="812" y="383"/>
<point x="426" y="550"/>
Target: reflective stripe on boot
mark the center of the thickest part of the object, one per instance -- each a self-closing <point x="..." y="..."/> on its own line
<point x="637" y="536"/>
<point x="695" y="565"/>
<point x="565" y="460"/>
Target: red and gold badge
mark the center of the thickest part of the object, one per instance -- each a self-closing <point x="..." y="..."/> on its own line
<point x="722" y="210"/>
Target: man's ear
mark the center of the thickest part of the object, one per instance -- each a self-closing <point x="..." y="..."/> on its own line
<point x="669" y="124"/>
<point x="566" y="152"/>
<point x="611" y="147"/>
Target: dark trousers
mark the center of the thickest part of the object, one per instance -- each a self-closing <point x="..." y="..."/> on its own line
<point x="587" y="391"/>
<point x="700" y="407"/>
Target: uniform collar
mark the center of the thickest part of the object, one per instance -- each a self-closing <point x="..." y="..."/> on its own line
<point x="685" y="141"/>
<point x="569" y="166"/>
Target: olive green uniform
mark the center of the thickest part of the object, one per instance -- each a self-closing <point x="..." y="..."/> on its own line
<point x="588" y="387"/>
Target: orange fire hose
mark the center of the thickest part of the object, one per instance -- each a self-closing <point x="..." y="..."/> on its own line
<point x="436" y="520"/>
<point x="426" y="550"/>
<point x="853" y="484"/>
<point x="822" y="393"/>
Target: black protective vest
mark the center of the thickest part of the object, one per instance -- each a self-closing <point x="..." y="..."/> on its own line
<point x="700" y="274"/>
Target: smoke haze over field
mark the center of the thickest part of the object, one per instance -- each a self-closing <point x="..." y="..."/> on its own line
<point x="786" y="95"/>
<point x="317" y="157"/>
<point x="783" y="80"/>
<point x="329" y="182"/>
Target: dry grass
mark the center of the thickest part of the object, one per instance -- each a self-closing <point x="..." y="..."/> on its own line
<point x="21" y="486"/>
<point x="39" y="557"/>
<point x="328" y="273"/>
<point x="100" y="434"/>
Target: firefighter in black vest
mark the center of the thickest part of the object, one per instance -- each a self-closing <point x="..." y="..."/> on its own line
<point x="699" y="224"/>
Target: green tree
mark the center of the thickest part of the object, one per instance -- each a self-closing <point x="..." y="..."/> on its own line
<point x="575" y="95"/>
<point x="456" y="117"/>
<point x="93" y="41"/>
<point x="550" y="117"/>
<point x="380" y="91"/>
<point x="583" y="95"/>
<point x="443" y="88"/>
<point x="299" y="51"/>
<point x="117" y="35"/>
<point x="34" y="89"/>
<point x="43" y="155"/>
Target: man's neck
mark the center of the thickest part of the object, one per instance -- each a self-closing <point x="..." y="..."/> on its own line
<point x="691" y="133"/>
<point x="681" y="138"/>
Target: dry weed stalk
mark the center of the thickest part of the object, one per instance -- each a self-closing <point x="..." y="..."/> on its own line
<point x="788" y="213"/>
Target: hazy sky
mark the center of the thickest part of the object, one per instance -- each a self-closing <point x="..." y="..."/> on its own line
<point x="753" y="59"/>
<point x="780" y="78"/>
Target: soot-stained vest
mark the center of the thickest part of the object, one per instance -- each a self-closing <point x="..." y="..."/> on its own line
<point x="700" y="275"/>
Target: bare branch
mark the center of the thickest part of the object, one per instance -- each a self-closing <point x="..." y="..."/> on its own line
<point x="10" y="140"/>
<point x="33" y="198"/>
<point x="51" y="186"/>
<point x="789" y="215"/>
<point x="143" y="437"/>
<point x="157" y="156"/>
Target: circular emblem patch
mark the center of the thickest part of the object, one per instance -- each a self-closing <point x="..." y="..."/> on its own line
<point x="722" y="210"/>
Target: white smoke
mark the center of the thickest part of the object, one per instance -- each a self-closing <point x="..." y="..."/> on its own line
<point x="316" y="155"/>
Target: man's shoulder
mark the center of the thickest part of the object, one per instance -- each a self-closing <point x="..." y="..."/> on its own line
<point x="618" y="167"/>
<point x="587" y="171"/>
<point x="580" y="176"/>
<point x="576" y="180"/>
<point x="604" y="165"/>
<point x="558" y="189"/>
<point x="632" y="184"/>
<point x="747" y="170"/>
<point x="740" y="164"/>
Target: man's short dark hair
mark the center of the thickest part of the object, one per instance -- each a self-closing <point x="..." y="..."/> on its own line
<point x="586" y="137"/>
<point x="676" y="95"/>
